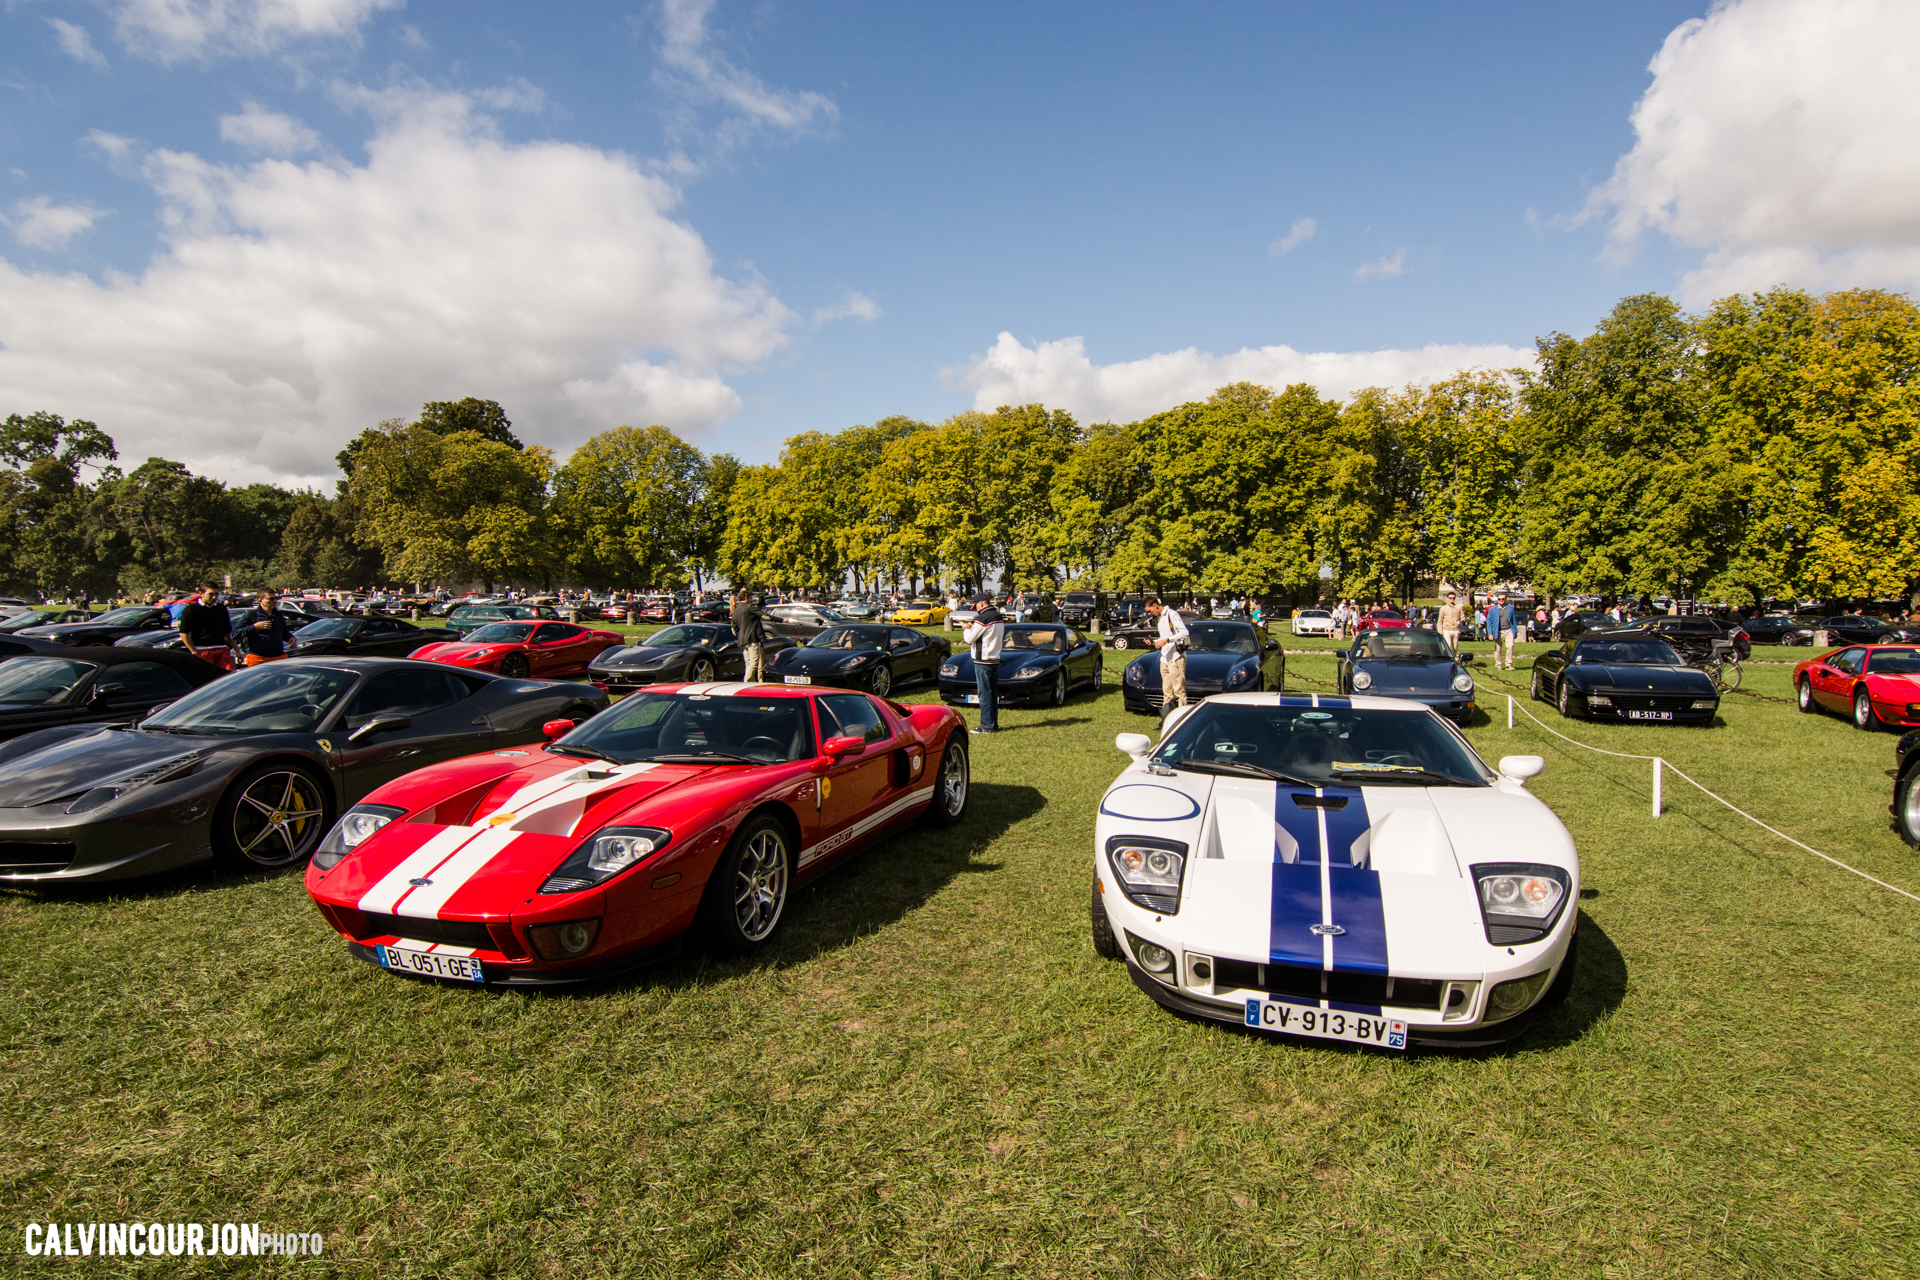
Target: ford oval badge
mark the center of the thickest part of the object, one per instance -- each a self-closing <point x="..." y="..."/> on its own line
<point x="420" y="882"/>
<point x="1328" y="930"/>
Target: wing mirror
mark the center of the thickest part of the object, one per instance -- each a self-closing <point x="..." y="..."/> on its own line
<point x="106" y="691"/>
<point x="1520" y="768"/>
<point x="556" y="729"/>
<point x="1136" y="745"/>
<point x="834" y="748"/>
<point x="379" y="725"/>
<point x="1273" y="646"/>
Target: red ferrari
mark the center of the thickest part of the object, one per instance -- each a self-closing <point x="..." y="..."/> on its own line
<point x="684" y="807"/>
<point x="521" y="649"/>
<point x="1875" y="684"/>
<point x="1382" y="619"/>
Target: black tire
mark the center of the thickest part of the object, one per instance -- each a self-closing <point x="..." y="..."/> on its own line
<point x="1805" y="693"/>
<point x="700" y="671"/>
<point x="1906" y="808"/>
<point x="1105" y="944"/>
<point x="1863" y="717"/>
<point x="1563" y="980"/>
<point x="1099" y="676"/>
<point x="274" y="816"/>
<point x="1059" y="698"/>
<point x="1533" y="689"/>
<point x="880" y="684"/>
<point x="514" y="666"/>
<point x="1119" y="642"/>
<point x="1566" y="700"/>
<point x="953" y="785"/>
<point x="748" y="891"/>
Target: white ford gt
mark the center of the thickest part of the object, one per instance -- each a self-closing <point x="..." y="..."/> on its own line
<point x="1340" y="868"/>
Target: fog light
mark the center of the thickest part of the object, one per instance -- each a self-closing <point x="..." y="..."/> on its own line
<point x="1705" y="704"/>
<point x="1599" y="700"/>
<point x="1155" y="959"/>
<point x="564" y="941"/>
<point x="1514" y="997"/>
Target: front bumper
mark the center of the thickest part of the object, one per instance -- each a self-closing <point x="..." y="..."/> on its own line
<point x="500" y="973"/>
<point x="1455" y="706"/>
<point x="618" y="682"/>
<point x="1008" y="693"/>
<point x="45" y="845"/>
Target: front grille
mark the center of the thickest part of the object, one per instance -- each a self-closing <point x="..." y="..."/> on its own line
<point x="1315" y="984"/>
<point x="452" y="933"/>
<point x="1651" y="701"/>
<point x="29" y="858"/>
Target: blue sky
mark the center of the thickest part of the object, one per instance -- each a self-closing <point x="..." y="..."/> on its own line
<point x="237" y="231"/>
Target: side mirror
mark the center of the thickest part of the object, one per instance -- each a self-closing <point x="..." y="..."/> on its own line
<point x="556" y="729"/>
<point x="834" y="748"/>
<point x="1273" y="646"/>
<point x="378" y="725"/>
<point x="103" y="692"/>
<point x="1520" y="768"/>
<point x="1133" y="744"/>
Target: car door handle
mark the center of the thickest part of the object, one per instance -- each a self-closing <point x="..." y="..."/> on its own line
<point x="478" y="720"/>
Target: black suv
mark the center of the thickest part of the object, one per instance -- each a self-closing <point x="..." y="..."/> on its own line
<point x="1080" y="608"/>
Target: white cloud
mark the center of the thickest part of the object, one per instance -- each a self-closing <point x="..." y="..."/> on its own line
<point x="295" y="304"/>
<point x="1778" y="137"/>
<point x="178" y="30"/>
<point x="268" y="132"/>
<point x="111" y="145"/>
<point x="693" y="69"/>
<point x="76" y="43"/>
<point x="855" y="306"/>
<point x="1298" y="234"/>
<point x="39" y="223"/>
<point x="1060" y="375"/>
<point x="1382" y="268"/>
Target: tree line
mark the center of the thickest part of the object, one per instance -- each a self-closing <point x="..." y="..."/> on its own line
<point x="1764" y="447"/>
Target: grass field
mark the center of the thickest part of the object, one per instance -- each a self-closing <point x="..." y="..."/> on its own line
<point x="930" y="1074"/>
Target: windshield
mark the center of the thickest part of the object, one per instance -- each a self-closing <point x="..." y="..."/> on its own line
<point x="1881" y="662"/>
<point x="124" y="617"/>
<point x="329" y="629"/>
<point x="1407" y="642"/>
<point x="680" y="638"/>
<point x="21" y="621"/>
<point x="1323" y="746"/>
<point x="1079" y="597"/>
<point x="32" y="680"/>
<point x="1221" y="637"/>
<point x="280" y="697"/>
<point x="1654" y="652"/>
<point x="850" y="638"/>
<point x="651" y="726"/>
<point x="500" y="633"/>
<point x="1039" y="640"/>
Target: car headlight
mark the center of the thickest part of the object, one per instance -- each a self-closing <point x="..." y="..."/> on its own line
<point x="1509" y="998"/>
<point x="1241" y="674"/>
<point x="950" y="669"/>
<point x="1135" y="676"/>
<point x="1599" y="700"/>
<point x="1149" y="871"/>
<point x="1029" y="671"/>
<point x="858" y="659"/>
<point x="348" y="834"/>
<point x="604" y="855"/>
<point x="1463" y="683"/>
<point x="1519" y="901"/>
<point x="1361" y="680"/>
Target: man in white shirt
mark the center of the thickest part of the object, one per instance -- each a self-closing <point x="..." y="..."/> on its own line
<point x="1172" y="644"/>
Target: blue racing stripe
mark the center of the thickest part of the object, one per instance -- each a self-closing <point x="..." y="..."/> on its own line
<point x="1353" y="893"/>
<point x="1296" y="909"/>
<point x="1357" y="909"/>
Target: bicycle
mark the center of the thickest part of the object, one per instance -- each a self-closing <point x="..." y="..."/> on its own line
<point x="1721" y="663"/>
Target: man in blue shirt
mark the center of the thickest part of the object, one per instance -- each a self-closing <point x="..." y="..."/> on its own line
<point x="1501" y="624"/>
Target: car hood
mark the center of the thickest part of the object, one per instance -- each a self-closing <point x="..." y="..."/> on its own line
<point x="641" y="655"/>
<point x="454" y="651"/>
<point x="1392" y="866"/>
<point x="480" y="851"/>
<point x="1434" y="675"/>
<point x="55" y="630"/>
<point x="74" y="764"/>
<point x="1201" y="667"/>
<point x="809" y="662"/>
<point x="1636" y="677"/>
<point x="1012" y="660"/>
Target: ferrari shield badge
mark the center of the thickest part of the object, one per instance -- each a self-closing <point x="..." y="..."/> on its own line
<point x="326" y="746"/>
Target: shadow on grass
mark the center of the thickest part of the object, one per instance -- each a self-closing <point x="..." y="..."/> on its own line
<point x="1045" y="724"/>
<point x="201" y="877"/>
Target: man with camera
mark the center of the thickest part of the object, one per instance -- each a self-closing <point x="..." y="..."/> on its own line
<point x="1172" y="644"/>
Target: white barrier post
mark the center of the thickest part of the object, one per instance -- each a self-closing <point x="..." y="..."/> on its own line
<point x="1509" y="711"/>
<point x="1656" y="786"/>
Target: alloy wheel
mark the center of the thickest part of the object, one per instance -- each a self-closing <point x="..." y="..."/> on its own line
<point x="953" y="784"/>
<point x="1060" y="688"/>
<point x="514" y="667"/>
<point x="1806" y="695"/>
<point x="1863" y="717"/>
<point x="882" y="680"/>
<point x="1566" y="699"/>
<point x="280" y="819"/>
<point x="760" y="885"/>
<point x="700" y="672"/>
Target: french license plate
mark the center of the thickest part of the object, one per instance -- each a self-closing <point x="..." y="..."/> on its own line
<point x="1649" y="715"/>
<point x="430" y="964"/>
<point x="1327" y="1024"/>
<point x="972" y="699"/>
<point x="799" y="679"/>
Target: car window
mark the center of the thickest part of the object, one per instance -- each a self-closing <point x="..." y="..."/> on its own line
<point x="1402" y="642"/>
<point x="1322" y="745"/>
<point x="1848" y="661"/>
<point x="850" y="715"/>
<point x="500" y="633"/>
<point x="132" y="618"/>
<point x="280" y="697"/>
<point x="146" y="680"/>
<point x="904" y="638"/>
<point x="646" y="725"/>
<point x="1041" y="640"/>
<point x="380" y="627"/>
<point x="409" y="692"/>
<point x="1894" y="662"/>
<point x="554" y="631"/>
<point x="27" y="681"/>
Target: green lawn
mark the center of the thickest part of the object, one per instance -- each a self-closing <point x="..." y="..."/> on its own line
<point x="930" y="1074"/>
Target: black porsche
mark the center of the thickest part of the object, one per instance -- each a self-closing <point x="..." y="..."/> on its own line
<point x="91" y="686"/>
<point x="865" y="655"/>
<point x="1624" y="676"/>
<point x="692" y="653"/>
<point x="103" y="628"/>
<point x="252" y="769"/>
<point x="1410" y="663"/>
<point x="1040" y="664"/>
<point x="1222" y="657"/>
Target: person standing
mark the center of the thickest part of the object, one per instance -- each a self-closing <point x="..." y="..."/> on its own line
<point x="748" y="633"/>
<point x="1500" y="627"/>
<point x="1451" y="616"/>
<point x="206" y="630"/>
<point x="1171" y="641"/>
<point x="984" y="636"/>
<point x="266" y="636"/>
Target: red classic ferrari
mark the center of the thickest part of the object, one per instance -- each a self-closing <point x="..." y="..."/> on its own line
<point x="694" y="806"/>
<point x="1873" y="683"/>
<point x="521" y="649"/>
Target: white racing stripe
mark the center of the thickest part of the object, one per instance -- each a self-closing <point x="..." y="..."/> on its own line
<point x="394" y="885"/>
<point x="451" y="876"/>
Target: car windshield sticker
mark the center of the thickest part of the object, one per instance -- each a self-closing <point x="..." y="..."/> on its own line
<point x="1321" y="888"/>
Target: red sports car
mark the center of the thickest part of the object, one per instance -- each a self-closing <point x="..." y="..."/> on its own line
<point x="692" y="806"/>
<point x="1873" y="683"/>
<point x="1382" y="619"/>
<point x="521" y="649"/>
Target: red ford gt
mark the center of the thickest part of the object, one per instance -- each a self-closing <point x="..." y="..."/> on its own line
<point x="694" y="806"/>
<point x="521" y="649"/>
<point x="1875" y="684"/>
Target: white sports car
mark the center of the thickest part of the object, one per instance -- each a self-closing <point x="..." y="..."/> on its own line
<point x="1313" y="622"/>
<point x="1341" y="868"/>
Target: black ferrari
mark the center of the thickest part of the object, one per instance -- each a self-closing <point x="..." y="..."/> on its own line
<point x="42" y="618"/>
<point x="1624" y="676"/>
<point x="103" y="628"/>
<point x="373" y="637"/>
<point x="866" y="655"/>
<point x="692" y="653"/>
<point x="1040" y="664"/>
<point x="92" y="686"/>
<point x="252" y="769"/>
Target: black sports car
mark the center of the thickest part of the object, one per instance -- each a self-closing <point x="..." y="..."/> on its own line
<point x="92" y="686"/>
<point x="1906" y="788"/>
<point x="374" y="637"/>
<point x="1778" y="628"/>
<point x="692" y="653"/>
<point x="1222" y="657"/>
<point x="1575" y="625"/>
<point x="1411" y="663"/>
<point x="1859" y="628"/>
<point x="1040" y="662"/>
<point x="252" y="769"/>
<point x="1624" y="675"/>
<point x="1139" y="631"/>
<point x="103" y="628"/>
<point x="14" y="646"/>
<point x="866" y="655"/>
<point x="1080" y="608"/>
<point x="42" y="618"/>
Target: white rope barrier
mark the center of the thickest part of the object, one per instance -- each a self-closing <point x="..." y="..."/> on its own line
<point x="1660" y="764"/>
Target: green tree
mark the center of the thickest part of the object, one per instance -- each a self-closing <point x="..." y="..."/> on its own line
<point x="628" y="503"/>
<point x="44" y="498"/>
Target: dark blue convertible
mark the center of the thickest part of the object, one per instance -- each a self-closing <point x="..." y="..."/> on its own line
<point x="1222" y="657"/>
<point x="1412" y="663"/>
<point x="1040" y="664"/>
